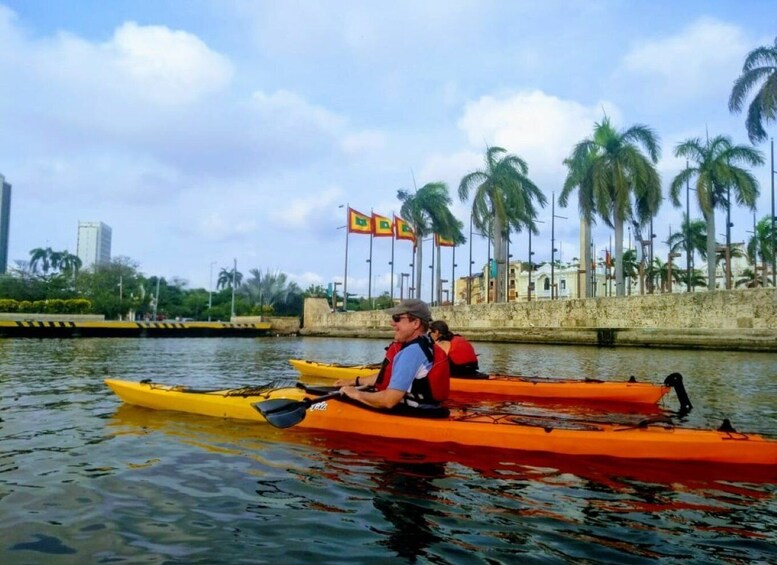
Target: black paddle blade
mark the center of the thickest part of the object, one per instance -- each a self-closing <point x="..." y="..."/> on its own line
<point x="282" y="412"/>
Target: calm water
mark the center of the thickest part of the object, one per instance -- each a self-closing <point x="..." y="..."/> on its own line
<point x="84" y="479"/>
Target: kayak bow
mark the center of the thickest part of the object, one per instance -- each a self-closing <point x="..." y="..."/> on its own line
<point x="507" y="385"/>
<point x="467" y="427"/>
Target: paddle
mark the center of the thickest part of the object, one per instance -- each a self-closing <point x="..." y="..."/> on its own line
<point x="285" y="413"/>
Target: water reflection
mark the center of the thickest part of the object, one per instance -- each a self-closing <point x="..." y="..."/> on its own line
<point x="79" y="471"/>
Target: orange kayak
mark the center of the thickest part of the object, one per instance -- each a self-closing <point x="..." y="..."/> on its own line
<point x="467" y="427"/>
<point x="508" y="385"/>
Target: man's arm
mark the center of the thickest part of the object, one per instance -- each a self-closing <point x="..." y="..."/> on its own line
<point x="368" y="381"/>
<point x="383" y="399"/>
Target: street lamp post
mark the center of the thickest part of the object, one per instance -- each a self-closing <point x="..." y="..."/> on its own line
<point x="553" y="249"/>
<point x="210" y="289"/>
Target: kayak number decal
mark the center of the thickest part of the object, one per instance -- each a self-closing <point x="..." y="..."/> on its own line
<point x="319" y="406"/>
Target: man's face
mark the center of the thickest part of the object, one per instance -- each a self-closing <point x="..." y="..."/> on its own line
<point x="405" y="327"/>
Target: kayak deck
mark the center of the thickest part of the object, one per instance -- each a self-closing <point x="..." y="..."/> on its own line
<point x="508" y="385"/>
<point x="467" y="427"/>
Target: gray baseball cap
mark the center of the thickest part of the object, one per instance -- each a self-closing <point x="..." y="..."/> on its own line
<point x="413" y="307"/>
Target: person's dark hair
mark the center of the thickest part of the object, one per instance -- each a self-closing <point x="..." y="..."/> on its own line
<point x="442" y="327"/>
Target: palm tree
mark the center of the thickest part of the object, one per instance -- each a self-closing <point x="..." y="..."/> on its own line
<point x="615" y="180"/>
<point x="426" y="210"/>
<point x="68" y="263"/>
<point x="760" y="246"/>
<point x="715" y="166"/>
<point x="749" y="278"/>
<point x="696" y="279"/>
<point x="692" y="238"/>
<point x="760" y="67"/>
<point x="504" y="197"/>
<point x="41" y="256"/>
<point x="226" y="278"/>
<point x="268" y="289"/>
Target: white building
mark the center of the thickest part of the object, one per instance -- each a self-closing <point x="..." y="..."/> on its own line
<point x="94" y="244"/>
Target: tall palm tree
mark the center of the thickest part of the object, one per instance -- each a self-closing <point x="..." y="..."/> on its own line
<point x="760" y="67"/>
<point x="618" y="181"/>
<point x="715" y="166"/>
<point x="227" y="280"/>
<point x="427" y="211"/>
<point x="504" y="198"/>
<point x="41" y="256"/>
<point x="760" y="246"/>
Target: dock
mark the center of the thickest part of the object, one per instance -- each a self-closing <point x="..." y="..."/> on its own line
<point x="66" y="329"/>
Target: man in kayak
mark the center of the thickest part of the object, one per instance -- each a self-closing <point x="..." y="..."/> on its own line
<point x="461" y="354"/>
<point x="415" y="371"/>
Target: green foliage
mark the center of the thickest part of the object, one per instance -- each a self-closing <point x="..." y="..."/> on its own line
<point x="25" y="306"/>
<point x="760" y="67"/>
<point x="8" y="305"/>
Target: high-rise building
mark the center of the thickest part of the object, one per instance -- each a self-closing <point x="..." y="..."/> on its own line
<point x="5" y="221"/>
<point x="94" y="244"/>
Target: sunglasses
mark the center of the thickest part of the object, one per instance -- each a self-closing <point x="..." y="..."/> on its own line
<point x="397" y="317"/>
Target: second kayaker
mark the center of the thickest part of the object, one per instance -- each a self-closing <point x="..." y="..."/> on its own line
<point x="461" y="354"/>
<point x="415" y="371"/>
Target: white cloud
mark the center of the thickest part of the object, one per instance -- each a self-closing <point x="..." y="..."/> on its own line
<point x="538" y="127"/>
<point x="302" y="212"/>
<point x="368" y="141"/>
<point x="702" y="60"/>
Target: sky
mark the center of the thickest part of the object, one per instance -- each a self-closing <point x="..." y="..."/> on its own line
<point x="207" y="132"/>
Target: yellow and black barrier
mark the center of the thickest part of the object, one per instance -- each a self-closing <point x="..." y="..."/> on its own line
<point x="40" y="329"/>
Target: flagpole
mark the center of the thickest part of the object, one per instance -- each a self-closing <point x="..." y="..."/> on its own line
<point x="345" y="277"/>
<point x="393" y="235"/>
<point x="431" y="278"/>
<point x="369" y="281"/>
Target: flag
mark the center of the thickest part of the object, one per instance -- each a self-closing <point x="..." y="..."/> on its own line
<point x="404" y="231"/>
<point x="443" y="241"/>
<point x="358" y="222"/>
<point x="382" y="226"/>
<point x="607" y="259"/>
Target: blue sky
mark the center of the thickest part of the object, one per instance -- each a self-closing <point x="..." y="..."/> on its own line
<point x="207" y="131"/>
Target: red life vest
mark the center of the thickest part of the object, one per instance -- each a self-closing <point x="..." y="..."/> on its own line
<point x="462" y="356"/>
<point x="433" y="388"/>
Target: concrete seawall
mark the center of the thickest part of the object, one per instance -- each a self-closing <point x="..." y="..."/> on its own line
<point x="726" y="320"/>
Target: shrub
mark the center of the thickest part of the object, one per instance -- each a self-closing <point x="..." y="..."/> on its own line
<point x="24" y="306"/>
<point x="8" y="305"/>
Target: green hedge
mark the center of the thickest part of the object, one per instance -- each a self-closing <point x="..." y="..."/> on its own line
<point x="52" y="306"/>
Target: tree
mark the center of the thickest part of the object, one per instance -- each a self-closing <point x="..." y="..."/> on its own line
<point x="692" y="238"/>
<point x="266" y="291"/>
<point x="427" y="211"/>
<point x="41" y="256"/>
<point x="225" y="279"/>
<point x="760" y="67"/>
<point x="760" y="245"/>
<point x="715" y="167"/>
<point x="504" y="197"/>
<point x="616" y="180"/>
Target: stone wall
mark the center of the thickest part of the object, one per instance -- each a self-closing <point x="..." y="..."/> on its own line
<point x="279" y="325"/>
<point x="733" y="319"/>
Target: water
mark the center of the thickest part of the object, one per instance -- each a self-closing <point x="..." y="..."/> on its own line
<point x="84" y="479"/>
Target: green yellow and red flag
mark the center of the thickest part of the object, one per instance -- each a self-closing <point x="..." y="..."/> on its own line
<point x="358" y="222"/>
<point x="404" y="231"/>
<point x="382" y="226"/>
<point x="443" y="241"/>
